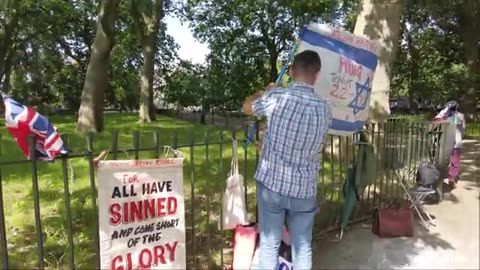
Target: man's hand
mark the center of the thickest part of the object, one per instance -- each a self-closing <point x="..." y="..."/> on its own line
<point x="258" y="146"/>
<point x="247" y="105"/>
<point x="270" y="86"/>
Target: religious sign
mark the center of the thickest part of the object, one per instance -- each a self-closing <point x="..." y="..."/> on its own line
<point x="141" y="214"/>
<point x="348" y="67"/>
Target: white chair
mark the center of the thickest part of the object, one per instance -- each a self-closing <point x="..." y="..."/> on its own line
<point x="416" y="195"/>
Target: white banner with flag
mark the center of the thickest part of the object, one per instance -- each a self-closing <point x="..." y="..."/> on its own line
<point x="141" y="214"/>
<point x="348" y="67"/>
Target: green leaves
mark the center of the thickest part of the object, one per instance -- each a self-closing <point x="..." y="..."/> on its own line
<point x="247" y="38"/>
<point x="431" y="65"/>
<point x="186" y="85"/>
<point x="64" y="31"/>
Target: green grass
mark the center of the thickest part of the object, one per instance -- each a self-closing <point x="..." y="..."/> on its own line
<point x="473" y="130"/>
<point x="205" y="176"/>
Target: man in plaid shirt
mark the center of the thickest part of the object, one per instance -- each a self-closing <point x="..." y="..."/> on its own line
<point x="297" y="124"/>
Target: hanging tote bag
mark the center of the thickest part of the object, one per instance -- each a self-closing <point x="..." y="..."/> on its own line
<point x="234" y="210"/>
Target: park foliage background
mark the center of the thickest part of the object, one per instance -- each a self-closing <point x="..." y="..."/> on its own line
<point x="75" y="60"/>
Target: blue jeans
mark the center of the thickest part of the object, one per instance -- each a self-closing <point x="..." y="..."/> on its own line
<point x="273" y="208"/>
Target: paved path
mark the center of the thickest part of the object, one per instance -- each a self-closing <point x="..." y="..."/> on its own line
<point x="453" y="244"/>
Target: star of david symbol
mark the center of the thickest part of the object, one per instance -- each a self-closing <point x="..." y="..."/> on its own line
<point x="359" y="102"/>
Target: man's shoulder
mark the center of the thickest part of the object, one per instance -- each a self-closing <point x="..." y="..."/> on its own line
<point x="323" y="102"/>
<point x="280" y="89"/>
<point x="276" y="91"/>
<point x="308" y="97"/>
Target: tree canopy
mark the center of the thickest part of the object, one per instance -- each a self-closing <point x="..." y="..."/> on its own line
<point x="46" y="50"/>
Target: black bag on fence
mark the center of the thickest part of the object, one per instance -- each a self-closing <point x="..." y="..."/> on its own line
<point x="428" y="175"/>
<point x="285" y="257"/>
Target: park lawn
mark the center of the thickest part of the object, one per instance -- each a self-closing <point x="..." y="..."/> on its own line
<point x="473" y="130"/>
<point x="206" y="180"/>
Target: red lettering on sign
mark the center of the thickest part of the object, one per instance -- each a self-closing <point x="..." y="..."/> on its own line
<point x="339" y="92"/>
<point x="147" y="258"/>
<point x="130" y="179"/>
<point x="165" y="161"/>
<point x="138" y="211"/>
<point x="351" y="68"/>
<point x="117" y="263"/>
<point x="115" y="216"/>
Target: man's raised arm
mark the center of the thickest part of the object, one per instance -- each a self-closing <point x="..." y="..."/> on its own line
<point x="257" y="104"/>
<point x="248" y="104"/>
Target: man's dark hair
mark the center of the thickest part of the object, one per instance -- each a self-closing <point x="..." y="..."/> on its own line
<point x="307" y="61"/>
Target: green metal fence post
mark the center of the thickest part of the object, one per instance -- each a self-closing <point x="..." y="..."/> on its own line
<point x="3" y="236"/>
<point x="68" y="213"/>
<point x="36" y="200"/>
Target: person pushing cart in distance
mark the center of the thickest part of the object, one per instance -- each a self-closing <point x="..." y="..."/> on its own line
<point x="286" y="178"/>
<point x="451" y="114"/>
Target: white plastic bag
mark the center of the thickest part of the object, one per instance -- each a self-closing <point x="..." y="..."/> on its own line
<point x="234" y="207"/>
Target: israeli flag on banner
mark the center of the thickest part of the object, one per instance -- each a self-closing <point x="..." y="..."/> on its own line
<point x="348" y="67"/>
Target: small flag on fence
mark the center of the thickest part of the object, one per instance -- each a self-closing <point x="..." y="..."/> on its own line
<point x="22" y="121"/>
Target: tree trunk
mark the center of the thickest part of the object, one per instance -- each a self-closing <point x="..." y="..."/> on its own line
<point x="203" y="117"/>
<point x="380" y="20"/>
<point x="147" y="23"/>
<point x="414" y="67"/>
<point x="90" y="114"/>
<point x="152" y="108"/>
<point x="146" y="87"/>
<point x="6" y="36"/>
<point x="37" y="83"/>
<point x="8" y="73"/>
<point x="205" y="108"/>
<point x="471" y="39"/>
<point x="273" y="66"/>
<point x="3" y="61"/>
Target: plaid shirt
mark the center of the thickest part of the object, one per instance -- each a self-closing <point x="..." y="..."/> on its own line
<point x="297" y="124"/>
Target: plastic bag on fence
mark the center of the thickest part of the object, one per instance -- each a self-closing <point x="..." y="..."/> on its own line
<point x="246" y="250"/>
<point x="284" y="253"/>
<point x="234" y="210"/>
<point x="244" y="243"/>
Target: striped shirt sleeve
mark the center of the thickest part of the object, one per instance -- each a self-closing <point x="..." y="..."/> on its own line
<point x="264" y="105"/>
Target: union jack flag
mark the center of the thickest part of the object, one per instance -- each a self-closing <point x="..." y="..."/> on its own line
<point x="22" y="121"/>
